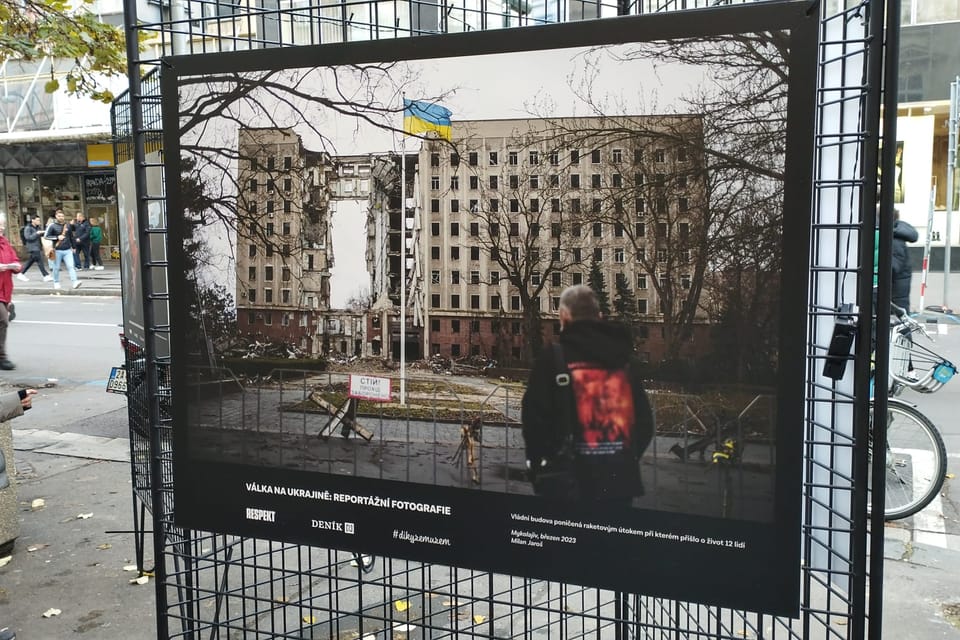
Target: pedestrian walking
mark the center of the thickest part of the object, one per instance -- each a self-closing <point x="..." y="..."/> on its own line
<point x="9" y="265"/>
<point x="96" y="237"/>
<point x="81" y="241"/>
<point x="31" y="241"/>
<point x="60" y="232"/>
<point x="46" y="244"/>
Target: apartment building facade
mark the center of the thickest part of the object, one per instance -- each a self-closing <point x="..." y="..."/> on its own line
<point x="514" y="211"/>
<point x="393" y="238"/>
<point x="283" y="253"/>
<point x="497" y="222"/>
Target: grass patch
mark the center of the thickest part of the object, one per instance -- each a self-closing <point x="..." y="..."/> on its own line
<point x="418" y="407"/>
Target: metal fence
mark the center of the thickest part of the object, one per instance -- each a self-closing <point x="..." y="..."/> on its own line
<point x="222" y="586"/>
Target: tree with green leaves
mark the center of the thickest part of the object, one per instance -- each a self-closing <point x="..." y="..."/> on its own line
<point x="597" y="282"/>
<point x="74" y="35"/>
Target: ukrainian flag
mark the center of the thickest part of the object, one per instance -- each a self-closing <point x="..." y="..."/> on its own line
<point x="422" y="117"/>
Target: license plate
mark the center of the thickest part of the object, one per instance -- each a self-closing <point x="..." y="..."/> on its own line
<point x="118" y="380"/>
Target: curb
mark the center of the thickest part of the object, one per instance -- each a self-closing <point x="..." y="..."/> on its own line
<point x="74" y="445"/>
<point x="82" y="291"/>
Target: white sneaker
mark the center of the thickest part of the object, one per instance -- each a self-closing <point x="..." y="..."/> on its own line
<point x="22" y="278"/>
<point x="99" y="268"/>
<point x="48" y="278"/>
<point x="76" y="285"/>
<point x="56" y="285"/>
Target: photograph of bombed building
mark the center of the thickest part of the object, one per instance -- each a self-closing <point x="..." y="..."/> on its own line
<point x="671" y="210"/>
<point x="285" y="253"/>
<point x="316" y="235"/>
<point x="284" y="257"/>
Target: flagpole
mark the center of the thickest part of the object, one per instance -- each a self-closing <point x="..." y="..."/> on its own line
<point x="403" y="259"/>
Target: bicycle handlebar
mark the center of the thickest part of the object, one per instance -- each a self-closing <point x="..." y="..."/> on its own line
<point x="909" y="322"/>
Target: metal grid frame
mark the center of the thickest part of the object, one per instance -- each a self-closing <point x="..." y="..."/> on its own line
<point x="218" y="586"/>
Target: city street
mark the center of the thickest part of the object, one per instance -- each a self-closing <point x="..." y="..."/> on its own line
<point x="65" y="346"/>
<point x="923" y="552"/>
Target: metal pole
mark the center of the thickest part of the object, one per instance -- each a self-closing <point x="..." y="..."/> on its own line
<point x="951" y="166"/>
<point x="403" y="265"/>
<point x="180" y="43"/>
<point x="926" y="248"/>
<point x="158" y="488"/>
<point x="883" y="60"/>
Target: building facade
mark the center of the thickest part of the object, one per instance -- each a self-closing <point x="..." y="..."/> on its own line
<point x="514" y="211"/>
<point x="497" y="222"/>
<point x="283" y="238"/>
<point x="929" y="63"/>
<point x="56" y="150"/>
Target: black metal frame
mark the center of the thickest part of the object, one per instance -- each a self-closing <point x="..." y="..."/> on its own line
<point x="211" y="585"/>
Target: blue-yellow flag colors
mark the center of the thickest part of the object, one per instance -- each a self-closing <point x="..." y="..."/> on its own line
<point x="422" y="117"/>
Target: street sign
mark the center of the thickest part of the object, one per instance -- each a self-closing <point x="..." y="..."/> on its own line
<point x="369" y="388"/>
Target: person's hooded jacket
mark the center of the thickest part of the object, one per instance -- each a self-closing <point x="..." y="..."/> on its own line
<point x="612" y="472"/>
<point x="903" y="232"/>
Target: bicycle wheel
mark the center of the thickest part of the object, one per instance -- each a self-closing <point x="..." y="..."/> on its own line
<point x="916" y="462"/>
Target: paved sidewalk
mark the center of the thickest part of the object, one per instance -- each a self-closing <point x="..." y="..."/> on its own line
<point x="95" y="283"/>
<point x="76" y="549"/>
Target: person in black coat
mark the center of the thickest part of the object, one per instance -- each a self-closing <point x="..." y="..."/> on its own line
<point x="81" y="241"/>
<point x="612" y="422"/>
<point x="31" y="242"/>
<point x="903" y="233"/>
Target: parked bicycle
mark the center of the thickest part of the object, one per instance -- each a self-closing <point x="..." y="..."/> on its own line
<point x="916" y="458"/>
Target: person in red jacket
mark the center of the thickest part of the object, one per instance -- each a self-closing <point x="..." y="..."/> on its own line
<point x="9" y="265"/>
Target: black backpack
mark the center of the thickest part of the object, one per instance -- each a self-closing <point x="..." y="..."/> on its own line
<point x="23" y="235"/>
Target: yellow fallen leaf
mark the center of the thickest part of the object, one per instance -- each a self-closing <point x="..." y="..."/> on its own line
<point x="401" y="605"/>
<point x="310" y="619"/>
<point x="5" y="561"/>
<point x="281" y="599"/>
<point x="477" y="618"/>
<point x="104" y="546"/>
<point x="949" y="476"/>
<point x="129" y="567"/>
<point x="84" y="516"/>
<point x="37" y="504"/>
<point x="49" y="613"/>
<point x="140" y="580"/>
<point x="36" y="547"/>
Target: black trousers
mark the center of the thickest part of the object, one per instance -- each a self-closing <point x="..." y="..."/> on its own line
<point x="35" y="257"/>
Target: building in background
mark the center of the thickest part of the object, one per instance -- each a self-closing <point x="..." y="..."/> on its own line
<point x="56" y="150"/>
<point x="497" y="223"/>
<point x="283" y="239"/>
<point x="393" y="238"/>
<point x="514" y="211"/>
<point x="929" y="62"/>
